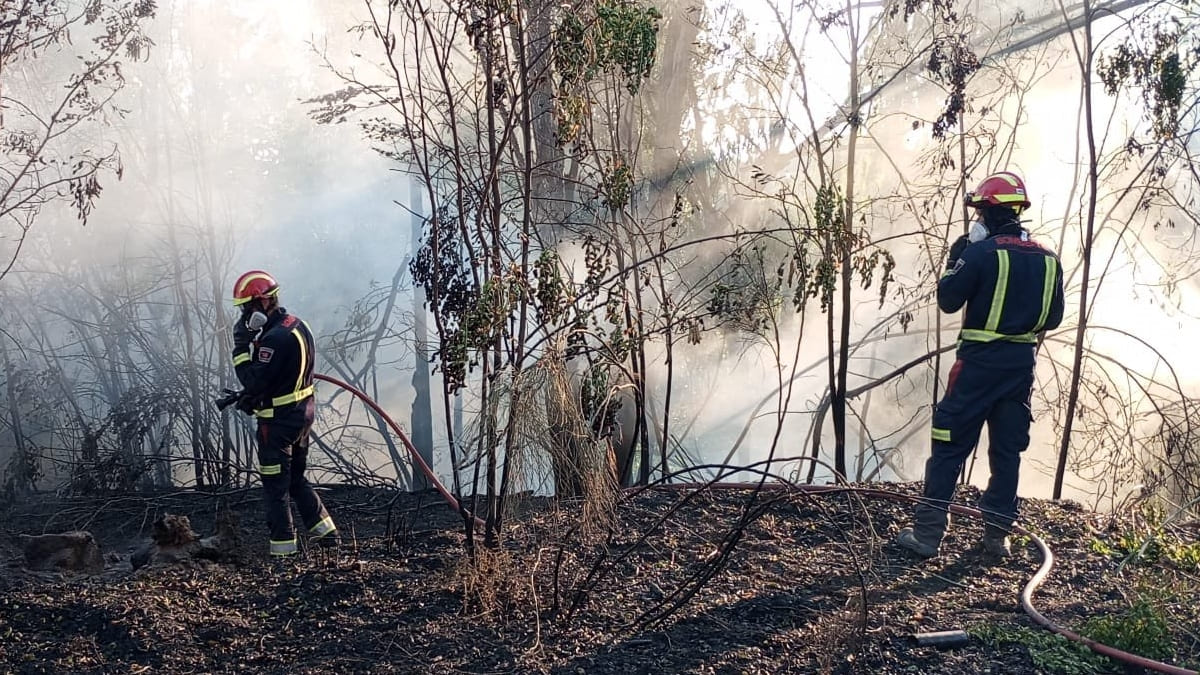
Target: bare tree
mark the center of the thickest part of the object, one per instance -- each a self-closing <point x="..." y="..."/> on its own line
<point x="47" y="153"/>
<point x="1130" y="183"/>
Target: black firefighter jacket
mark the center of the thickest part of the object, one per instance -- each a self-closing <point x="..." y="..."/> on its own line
<point x="276" y="371"/>
<point x="1013" y="290"/>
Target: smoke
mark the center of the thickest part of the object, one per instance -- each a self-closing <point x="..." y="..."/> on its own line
<point x="1024" y="118"/>
<point x="225" y="170"/>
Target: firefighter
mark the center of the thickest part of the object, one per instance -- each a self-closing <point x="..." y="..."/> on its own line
<point x="273" y="355"/>
<point x="1013" y="290"/>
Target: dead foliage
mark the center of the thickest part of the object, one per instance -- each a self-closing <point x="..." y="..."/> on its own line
<point x="786" y="598"/>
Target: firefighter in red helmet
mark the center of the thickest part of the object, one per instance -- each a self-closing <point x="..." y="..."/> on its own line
<point x="273" y="355"/>
<point x="1013" y="291"/>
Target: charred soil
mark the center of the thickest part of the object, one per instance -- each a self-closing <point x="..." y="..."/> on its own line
<point x="681" y="582"/>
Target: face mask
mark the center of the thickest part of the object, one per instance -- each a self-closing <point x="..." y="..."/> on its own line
<point x="977" y="232"/>
<point x="253" y="318"/>
<point x="257" y="320"/>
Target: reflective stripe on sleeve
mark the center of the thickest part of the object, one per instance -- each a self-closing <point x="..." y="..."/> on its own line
<point x="303" y="362"/>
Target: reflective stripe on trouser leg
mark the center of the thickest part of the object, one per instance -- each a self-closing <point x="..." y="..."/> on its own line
<point x="312" y="510"/>
<point x="322" y="528"/>
<point x="279" y="512"/>
<point x="956" y="424"/>
<point x="284" y="548"/>
<point x="273" y="441"/>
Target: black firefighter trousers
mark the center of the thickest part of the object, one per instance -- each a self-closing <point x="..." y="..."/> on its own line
<point x="976" y="394"/>
<point x="283" y="459"/>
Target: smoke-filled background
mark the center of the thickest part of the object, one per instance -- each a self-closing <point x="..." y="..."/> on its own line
<point x="641" y="235"/>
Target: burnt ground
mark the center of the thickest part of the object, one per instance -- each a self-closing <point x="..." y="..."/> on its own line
<point x="665" y="595"/>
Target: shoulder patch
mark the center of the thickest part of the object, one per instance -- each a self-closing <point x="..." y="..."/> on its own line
<point x="265" y="354"/>
<point x="958" y="265"/>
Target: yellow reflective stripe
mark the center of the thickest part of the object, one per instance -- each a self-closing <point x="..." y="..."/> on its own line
<point x="242" y="286"/>
<point x="322" y="528"/>
<point x="301" y="392"/>
<point x="1047" y="291"/>
<point x="1004" y="176"/>
<point x="284" y="400"/>
<point x="976" y="335"/>
<point x="941" y="434"/>
<point x="298" y="395"/>
<point x="284" y="546"/>
<point x="303" y="359"/>
<point x="993" y="320"/>
<point x="239" y="359"/>
<point x="270" y="469"/>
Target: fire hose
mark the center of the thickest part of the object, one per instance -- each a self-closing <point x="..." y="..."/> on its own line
<point x="1027" y="591"/>
<point x="1026" y="596"/>
<point x="412" y="449"/>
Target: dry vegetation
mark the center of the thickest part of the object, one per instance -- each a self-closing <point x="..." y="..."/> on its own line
<point x="677" y="586"/>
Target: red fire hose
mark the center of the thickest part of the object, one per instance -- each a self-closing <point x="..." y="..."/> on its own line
<point x="1026" y="593"/>
<point x="412" y="450"/>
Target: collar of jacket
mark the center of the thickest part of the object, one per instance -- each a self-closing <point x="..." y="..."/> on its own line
<point x="1011" y="228"/>
<point x="275" y="318"/>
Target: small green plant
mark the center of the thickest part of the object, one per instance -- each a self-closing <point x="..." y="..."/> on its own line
<point x="1101" y="547"/>
<point x="1142" y="630"/>
<point x="1050" y="652"/>
<point x="1151" y="543"/>
<point x="1186" y="556"/>
<point x="1140" y="548"/>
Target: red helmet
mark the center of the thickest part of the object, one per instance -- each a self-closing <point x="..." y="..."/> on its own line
<point x="253" y="284"/>
<point x="1000" y="189"/>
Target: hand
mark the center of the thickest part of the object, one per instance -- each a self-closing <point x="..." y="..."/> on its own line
<point x="246" y="404"/>
<point x="241" y="335"/>
<point x="228" y="398"/>
<point x="956" y="251"/>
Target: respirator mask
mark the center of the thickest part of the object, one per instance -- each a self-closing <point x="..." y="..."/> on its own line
<point x="978" y="231"/>
<point x="253" y="319"/>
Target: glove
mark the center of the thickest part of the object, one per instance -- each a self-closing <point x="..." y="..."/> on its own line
<point x="246" y="404"/>
<point x="241" y="336"/>
<point x="956" y="251"/>
<point x="228" y="397"/>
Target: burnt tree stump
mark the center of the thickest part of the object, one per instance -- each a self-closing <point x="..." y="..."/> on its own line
<point x="173" y="541"/>
<point x="75" y="551"/>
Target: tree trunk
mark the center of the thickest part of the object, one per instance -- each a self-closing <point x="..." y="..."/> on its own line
<point x="422" y="405"/>
<point x="1089" y="233"/>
